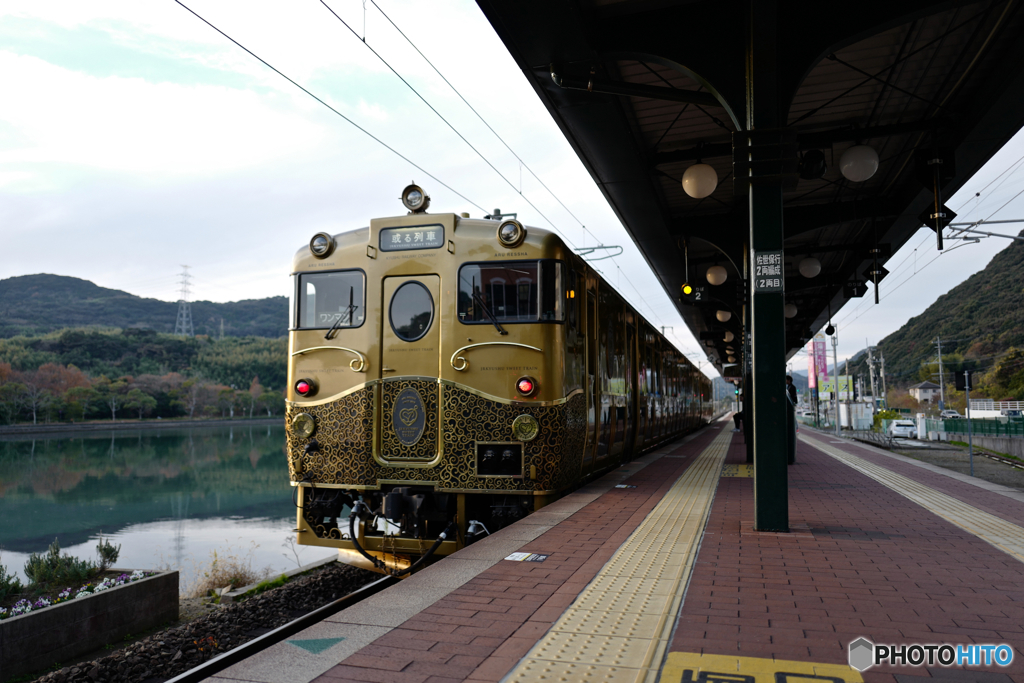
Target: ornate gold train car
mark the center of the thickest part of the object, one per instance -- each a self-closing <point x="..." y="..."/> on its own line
<point x="449" y="375"/>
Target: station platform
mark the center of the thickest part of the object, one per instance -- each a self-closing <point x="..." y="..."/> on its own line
<point x="654" y="573"/>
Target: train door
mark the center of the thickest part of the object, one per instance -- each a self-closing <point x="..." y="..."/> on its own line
<point x="409" y="405"/>
<point x="631" y="389"/>
<point x="593" y="380"/>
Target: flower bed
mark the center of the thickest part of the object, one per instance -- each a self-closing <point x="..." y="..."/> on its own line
<point x="24" y="606"/>
<point x="36" y="635"/>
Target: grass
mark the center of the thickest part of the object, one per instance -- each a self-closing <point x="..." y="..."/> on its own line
<point x="227" y="569"/>
<point x="964" y="444"/>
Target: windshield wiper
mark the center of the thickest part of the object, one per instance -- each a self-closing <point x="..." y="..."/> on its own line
<point x="337" y="323"/>
<point x="480" y="300"/>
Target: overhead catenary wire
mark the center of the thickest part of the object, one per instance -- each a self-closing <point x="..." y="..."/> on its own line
<point x="522" y="163"/>
<point x="347" y="119"/>
<point x="395" y="151"/>
<point x="482" y="119"/>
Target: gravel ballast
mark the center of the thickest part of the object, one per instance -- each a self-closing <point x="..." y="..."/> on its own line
<point x="166" y="654"/>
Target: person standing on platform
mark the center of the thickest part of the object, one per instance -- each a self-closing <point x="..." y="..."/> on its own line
<point x="791" y="389"/>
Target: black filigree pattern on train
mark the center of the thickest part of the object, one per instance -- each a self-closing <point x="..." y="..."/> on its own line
<point x="391" y="448"/>
<point x="344" y="435"/>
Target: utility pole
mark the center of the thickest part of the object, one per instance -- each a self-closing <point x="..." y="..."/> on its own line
<point x="885" y="393"/>
<point x="970" y="437"/>
<point x="835" y="386"/>
<point x="871" y="369"/>
<point x="942" y="382"/>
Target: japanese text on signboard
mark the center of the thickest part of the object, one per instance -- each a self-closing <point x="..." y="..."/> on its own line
<point x="418" y="237"/>
<point x="768" y="275"/>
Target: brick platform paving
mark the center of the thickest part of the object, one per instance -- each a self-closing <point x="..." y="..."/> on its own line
<point x="861" y="561"/>
<point x="481" y="630"/>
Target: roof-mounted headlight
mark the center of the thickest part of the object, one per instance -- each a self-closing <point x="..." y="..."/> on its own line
<point x="322" y="245"/>
<point x="511" y="233"/>
<point x="415" y="199"/>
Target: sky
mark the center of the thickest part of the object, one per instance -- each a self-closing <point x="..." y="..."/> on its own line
<point x="135" y="139"/>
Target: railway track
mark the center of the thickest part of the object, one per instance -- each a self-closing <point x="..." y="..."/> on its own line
<point x="246" y="650"/>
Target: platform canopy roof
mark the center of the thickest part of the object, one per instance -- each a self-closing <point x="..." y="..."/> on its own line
<point x="643" y="89"/>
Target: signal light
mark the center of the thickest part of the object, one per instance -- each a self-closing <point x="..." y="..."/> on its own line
<point x="305" y="387"/>
<point x="526" y="386"/>
<point x="692" y="294"/>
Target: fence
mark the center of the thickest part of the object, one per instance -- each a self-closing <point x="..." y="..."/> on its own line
<point x="981" y="427"/>
<point x="989" y="404"/>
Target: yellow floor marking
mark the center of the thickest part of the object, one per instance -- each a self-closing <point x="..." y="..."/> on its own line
<point x="1002" y="534"/>
<point x="738" y="471"/>
<point x="619" y="627"/>
<point x="687" y="666"/>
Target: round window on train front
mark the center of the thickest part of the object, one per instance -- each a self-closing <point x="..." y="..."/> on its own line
<point x="412" y="311"/>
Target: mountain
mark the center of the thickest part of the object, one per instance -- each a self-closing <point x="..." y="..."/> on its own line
<point x="37" y="304"/>
<point x="977" y="320"/>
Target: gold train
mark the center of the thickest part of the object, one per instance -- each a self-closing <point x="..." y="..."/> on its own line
<point x="448" y="376"/>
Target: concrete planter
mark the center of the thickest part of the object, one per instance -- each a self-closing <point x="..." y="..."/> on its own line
<point x="37" y="640"/>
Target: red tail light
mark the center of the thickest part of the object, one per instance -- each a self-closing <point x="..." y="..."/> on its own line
<point x="526" y="386"/>
<point x="305" y="387"/>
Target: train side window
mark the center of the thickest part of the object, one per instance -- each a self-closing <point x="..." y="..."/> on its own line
<point x="332" y="299"/>
<point x="512" y="292"/>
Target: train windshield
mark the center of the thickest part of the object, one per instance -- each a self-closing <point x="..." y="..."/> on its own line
<point x="335" y="299"/>
<point x="512" y="292"/>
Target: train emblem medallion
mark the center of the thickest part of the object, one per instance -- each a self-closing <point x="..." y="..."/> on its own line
<point x="409" y="416"/>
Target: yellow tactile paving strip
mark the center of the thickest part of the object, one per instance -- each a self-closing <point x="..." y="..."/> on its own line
<point x="619" y="627"/>
<point x="738" y="471"/>
<point x="1002" y="534"/>
<point x="687" y="666"/>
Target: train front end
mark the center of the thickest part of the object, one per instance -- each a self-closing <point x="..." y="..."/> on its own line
<point x="430" y="400"/>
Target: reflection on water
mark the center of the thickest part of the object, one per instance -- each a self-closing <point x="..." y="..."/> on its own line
<point x="169" y="497"/>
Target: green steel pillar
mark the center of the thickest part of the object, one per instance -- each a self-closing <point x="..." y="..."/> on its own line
<point x="768" y="336"/>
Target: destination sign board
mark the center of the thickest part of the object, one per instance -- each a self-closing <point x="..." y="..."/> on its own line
<point x="768" y="275"/>
<point x="415" y="237"/>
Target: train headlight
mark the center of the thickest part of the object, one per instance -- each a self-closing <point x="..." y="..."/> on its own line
<point x="511" y="233"/>
<point x="415" y="199"/>
<point x="525" y="428"/>
<point x="306" y="387"/>
<point x="322" y="245"/>
<point x="303" y="425"/>
<point x="526" y="386"/>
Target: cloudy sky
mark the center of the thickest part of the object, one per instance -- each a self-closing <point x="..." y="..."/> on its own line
<point x="135" y="139"/>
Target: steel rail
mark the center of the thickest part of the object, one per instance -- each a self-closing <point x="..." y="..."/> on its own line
<point x="260" y="643"/>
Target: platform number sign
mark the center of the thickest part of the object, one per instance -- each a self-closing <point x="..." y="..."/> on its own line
<point x="768" y="271"/>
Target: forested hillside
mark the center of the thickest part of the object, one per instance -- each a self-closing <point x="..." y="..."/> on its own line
<point x="37" y="304"/>
<point x="77" y="374"/>
<point x="981" y="323"/>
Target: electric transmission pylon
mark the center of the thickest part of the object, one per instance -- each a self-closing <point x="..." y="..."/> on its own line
<point x="183" y="326"/>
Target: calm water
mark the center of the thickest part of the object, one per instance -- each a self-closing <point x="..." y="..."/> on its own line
<point x="169" y="497"/>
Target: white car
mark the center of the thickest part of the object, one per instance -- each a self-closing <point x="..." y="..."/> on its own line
<point x="903" y="428"/>
<point x="949" y="415"/>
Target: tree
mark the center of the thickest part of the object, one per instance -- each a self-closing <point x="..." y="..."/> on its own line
<point x="12" y="400"/>
<point x="112" y="393"/>
<point x="35" y="398"/>
<point x="272" y="402"/>
<point x="140" y="401"/>
<point x="194" y="395"/>
<point x="80" y="400"/>
<point x="226" y="401"/>
<point x="255" y="391"/>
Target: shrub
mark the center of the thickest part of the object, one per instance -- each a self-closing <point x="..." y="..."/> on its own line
<point x="227" y="570"/>
<point x="56" y="568"/>
<point x="108" y="553"/>
<point x="9" y="584"/>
